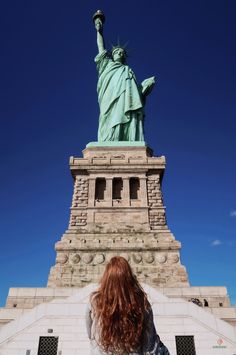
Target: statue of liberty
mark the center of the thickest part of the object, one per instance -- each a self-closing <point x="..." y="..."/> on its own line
<point x="121" y="99"/>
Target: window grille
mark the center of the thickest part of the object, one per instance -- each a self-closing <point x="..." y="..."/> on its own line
<point x="185" y="345"/>
<point x="48" y="346"/>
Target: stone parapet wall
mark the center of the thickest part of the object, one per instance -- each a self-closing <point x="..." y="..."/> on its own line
<point x="20" y="299"/>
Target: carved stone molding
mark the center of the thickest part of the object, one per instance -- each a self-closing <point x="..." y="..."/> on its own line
<point x="99" y="259"/>
<point x="87" y="258"/>
<point x="137" y="258"/>
<point x="75" y="258"/>
<point x="61" y="258"/>
<point x="149" y="258"/>
<point x="173" y="258"/>
<point x="161" y="258"/>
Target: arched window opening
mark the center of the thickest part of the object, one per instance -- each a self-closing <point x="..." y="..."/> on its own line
<point x="100" y="188"/>
<point x="134" y="186"/>
<point x="117" y="187"/>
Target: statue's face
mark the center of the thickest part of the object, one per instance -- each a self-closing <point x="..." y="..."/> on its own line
<point x="118" y="55"/>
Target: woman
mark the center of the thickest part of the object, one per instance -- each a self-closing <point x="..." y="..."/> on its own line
<point x="119" y="318"/>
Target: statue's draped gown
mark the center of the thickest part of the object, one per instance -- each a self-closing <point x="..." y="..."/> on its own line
<point x="120" y="101"/>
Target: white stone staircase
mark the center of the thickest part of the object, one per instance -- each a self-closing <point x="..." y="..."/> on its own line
<point x="65" y="317"/>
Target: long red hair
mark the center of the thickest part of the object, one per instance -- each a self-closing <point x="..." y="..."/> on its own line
<point x="119" y="307"/>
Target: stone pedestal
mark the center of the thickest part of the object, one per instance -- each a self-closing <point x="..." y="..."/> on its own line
<point x="117" y="209"/>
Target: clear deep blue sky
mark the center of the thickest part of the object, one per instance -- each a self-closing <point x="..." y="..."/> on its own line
<point x="49" y="111"/>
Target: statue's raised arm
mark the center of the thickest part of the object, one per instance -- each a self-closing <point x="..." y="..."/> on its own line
<point x="99" y="19"/>
<point x="121" y="99"/>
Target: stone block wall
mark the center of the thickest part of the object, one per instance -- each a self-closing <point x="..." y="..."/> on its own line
<point x="80" y="196"/>
<point x="157" y="215"/>
<point x="78" y="216"/>
<point x="154" y="191"/>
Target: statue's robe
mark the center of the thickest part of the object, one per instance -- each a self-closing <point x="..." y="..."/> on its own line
<point x="120" y="101"/>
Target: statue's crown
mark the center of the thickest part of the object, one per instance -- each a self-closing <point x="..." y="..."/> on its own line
<point x="118" y="45"/>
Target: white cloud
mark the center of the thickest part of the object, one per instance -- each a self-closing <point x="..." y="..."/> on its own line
<point x="233" y="213"/>
<point x="216" y="242"/>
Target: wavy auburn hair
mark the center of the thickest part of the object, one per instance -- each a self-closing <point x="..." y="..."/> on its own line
<point x="119" y="306"/>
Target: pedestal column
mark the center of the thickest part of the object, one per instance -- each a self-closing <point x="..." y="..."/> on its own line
<point x="126" y="192"/>
<point x="91" y="194"/>
<point x="108" y="196"/>
<point x="143" y="191"/>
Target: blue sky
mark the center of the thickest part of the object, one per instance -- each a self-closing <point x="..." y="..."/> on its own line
<point x="49" y="111"/>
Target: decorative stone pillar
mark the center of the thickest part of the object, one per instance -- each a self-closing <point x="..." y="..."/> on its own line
<point x="91" y="194"/>
<point x="108" y="192"/>
<point x="126" y="192"/>
<point x="143" y="191"/>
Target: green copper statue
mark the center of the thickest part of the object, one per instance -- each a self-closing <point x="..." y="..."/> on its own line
<point x="120" y="98"/>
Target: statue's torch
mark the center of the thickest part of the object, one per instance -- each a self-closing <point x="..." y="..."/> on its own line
<point x="98" y="18"/>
